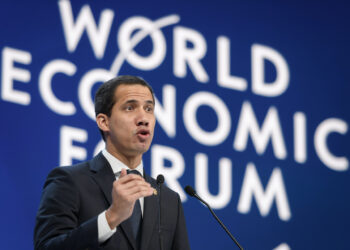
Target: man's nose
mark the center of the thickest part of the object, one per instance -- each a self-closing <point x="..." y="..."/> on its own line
<point x="142" y="119"/>
<point x="142" y="122"/>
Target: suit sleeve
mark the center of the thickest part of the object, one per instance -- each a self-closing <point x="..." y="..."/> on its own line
<point x="180" y="238"/>
<point x="57" y="225"/>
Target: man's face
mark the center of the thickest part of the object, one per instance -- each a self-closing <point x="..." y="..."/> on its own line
<point x="132" y="120"/>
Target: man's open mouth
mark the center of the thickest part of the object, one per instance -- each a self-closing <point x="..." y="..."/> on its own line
<point x="143" y="133"/>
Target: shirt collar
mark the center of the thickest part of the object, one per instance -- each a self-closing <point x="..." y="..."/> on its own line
<point x="117" y="165"/>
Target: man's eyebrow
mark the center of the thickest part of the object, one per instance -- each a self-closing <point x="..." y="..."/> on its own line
<point x="136" y="101"/>
<point x="150" y="102"/>
<point x="131" y="101"/>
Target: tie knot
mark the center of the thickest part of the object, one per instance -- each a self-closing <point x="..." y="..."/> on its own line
<point x="129" y="171"/>
<point x="133" y="171"/>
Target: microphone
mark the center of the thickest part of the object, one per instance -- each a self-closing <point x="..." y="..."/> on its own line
<point x="160" y="181"/>
<point x="190" y="191"/>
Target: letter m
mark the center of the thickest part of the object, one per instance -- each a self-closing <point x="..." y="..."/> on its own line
<point x="275" y="190"/>
<point x="98" y="35"/>
<point x="270" y="130"/>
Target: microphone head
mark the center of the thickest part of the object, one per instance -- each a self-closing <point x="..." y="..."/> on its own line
<point x="160" y="179"/>
<point x="190" y="191"/>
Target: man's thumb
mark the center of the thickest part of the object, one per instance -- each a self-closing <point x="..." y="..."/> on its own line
<point x="123" y="172"/>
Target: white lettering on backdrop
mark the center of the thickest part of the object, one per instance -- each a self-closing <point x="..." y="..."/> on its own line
<point x="16" y="69"/>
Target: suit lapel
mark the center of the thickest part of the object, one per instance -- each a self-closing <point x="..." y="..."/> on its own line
<point x="126" y="227"/>
<point x="150" y="215"/>
<point x="103" y="175"/>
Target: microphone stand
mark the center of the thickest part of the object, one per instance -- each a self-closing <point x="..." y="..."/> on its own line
<point x="189" y="190"/>
<point x="160" y="181"/>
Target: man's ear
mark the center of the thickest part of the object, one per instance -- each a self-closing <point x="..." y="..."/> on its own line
<point x="102" y="122"/>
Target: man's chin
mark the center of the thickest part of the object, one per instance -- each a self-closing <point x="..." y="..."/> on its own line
<point x="143" y="147"/>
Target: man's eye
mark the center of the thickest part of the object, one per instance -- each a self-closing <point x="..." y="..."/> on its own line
<point x="128" y="107"/>
<point x="149" y="109"/>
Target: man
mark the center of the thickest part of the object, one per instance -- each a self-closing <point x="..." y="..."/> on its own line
<point x="94" y="204"/>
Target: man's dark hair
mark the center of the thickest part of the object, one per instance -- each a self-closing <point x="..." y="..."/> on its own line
<point x="104" y="97"/>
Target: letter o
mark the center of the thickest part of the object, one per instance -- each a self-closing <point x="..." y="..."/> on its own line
<point x="224" y="119"/>
<point x="127" y="43"/>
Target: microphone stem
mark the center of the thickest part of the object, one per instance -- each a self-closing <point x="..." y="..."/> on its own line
<point x="159" y="219"/>
<point x="222" y="224"/>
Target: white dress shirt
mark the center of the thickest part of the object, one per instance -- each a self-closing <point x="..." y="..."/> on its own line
<point x="104" y="231"/>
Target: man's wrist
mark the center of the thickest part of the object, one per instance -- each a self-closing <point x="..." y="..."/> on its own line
<point x="112" y="219"/>
<point x="104" y="230"/>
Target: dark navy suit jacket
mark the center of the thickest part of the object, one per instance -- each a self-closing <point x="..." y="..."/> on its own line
<point x="74" y="196"/>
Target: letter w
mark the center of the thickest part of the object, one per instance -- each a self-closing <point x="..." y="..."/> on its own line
<point x="98" y="36"/>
